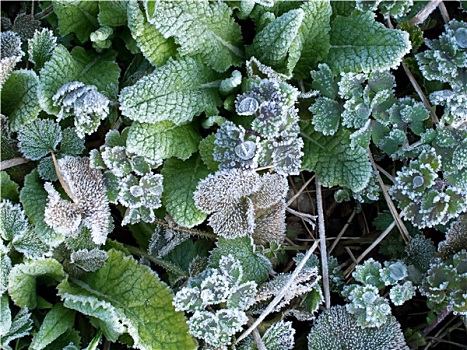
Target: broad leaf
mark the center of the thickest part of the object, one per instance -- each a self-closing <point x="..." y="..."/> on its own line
<point x="57" y="321"/>
<point x="38" y="138"/>
<point x="162" y="140"/>
<point x="360" y="44"/>
<point x="19" y="98"/>
<point x="180" y="181"/>
<point x="202" y="28"/>
<point x="41" y="47"/>
<point x="77" y="17"/>
<point x="335" y="161"/>
<point x="112" y="13"/>
<point x="177" y="91"/>
<point x="137" y="299"/>
<point x="8" y="188"/>
<point x="22" y="279"/>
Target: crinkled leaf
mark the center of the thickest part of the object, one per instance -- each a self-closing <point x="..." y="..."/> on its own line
<point x="5" y="314"/>
<point x="206" y="151"/>
<point x="8" y="188"/>
<point x="271" y="46"/>
<point x="177" y="91"/>
<point x="312" y="42"/>
<point x="359" y="43"/>
<point x="13" y="223"/>
<point x="20" y="327"/>
<point x="326" y="115"/>
<point x="40" y="47"/>
<point x="78" y="17"/>
<point x="71" y="144"/>
<point x="202" y="28"/>
<point x="19" y="98"/>
<point x="22" y="279"/>
<point x="112" y="13"/>
<point x="162" y="140"/>
<point x="39" y="138"/>
<point x="5" y="268"/>
<point x="180" y="181"/>
<point x="34" y="199"/>
<point x="79" y="65"/>
<point x="138" y="299"/>
<point x="334" y="161"/>
<point x="150" y="41"/>
<point x="30" y="244"/>
<point x="57" y="321"/>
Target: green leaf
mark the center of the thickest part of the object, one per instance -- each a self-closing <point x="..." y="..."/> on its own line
<point x="22" y="279"/>
<point x="151" y="42"/>
<point x="71" y="144"/>
<point x="8" y="188"/>
<point x="38" y="138"/>
<point x="311" y="44"/>
<point x="5" y="314"/>
<point x="79" y="65"/>
<point x="180" y="181"/>
<point x="57" y="321"/>
<point x="206" y="151"/>
<point x="20" y="327"/>
<point x="335" y="161"/>
<point x="139" y="301"/>
<point x="34" y="199"/>
<point x="30" y="244"/>
<point x="13" y="223"/>
<point x="360" y="44"/>
<point x="326" y="115"/>
<point x="19" y="98"/>
<point x="256" y="267"/>
<point x="177" y="91"/>
<point x="162" y="140"/>
<point x="272" y="44"/>
<point x="77" y="17"/>
<point x="112" y="13"/>
<point x="201" y="28"/>
<point x="41" y="47"/>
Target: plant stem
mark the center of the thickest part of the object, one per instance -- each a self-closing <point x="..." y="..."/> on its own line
<point x="436" y="322"/>
<point x="10" y="163"/>
<point x="322" y="244"/>
<point x="424" y="13"/>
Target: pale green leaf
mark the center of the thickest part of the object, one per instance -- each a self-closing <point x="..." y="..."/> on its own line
<point x="20" y="327"/>
<point x="326" y="115"/>
<point x="13" y="223"/>
<point x="112" y="13"/>
<point x="34" y="199"/>
<point x="30" y="244"/>
<point x="79" y="65"/>
<point x="40" y="47"/>
<point x="312" y="42"/>
<point x="151" y="42"/>
<point x="177" y="91"/>
<point x="201" y="28"/>
<point x="180" y="181"/>
<point x="19" y="98"/>
<point x="8" y="188"/>
<point x="57" y="321"/>
<point x="334" y="161"/>
<point x="77" y="17"/>
<point x="5" y="314"/>
<point x="71" y="144"/>
<point x="136" y="297"/>
<point x="360" y="44"/>
<point x="5" y="268"/>
<point x="272" y="45"/>
<point x="206" y="151"/>
<point x="162" y="140"/>
<point x="38" y="138"/>
<point x="22" y="279"/>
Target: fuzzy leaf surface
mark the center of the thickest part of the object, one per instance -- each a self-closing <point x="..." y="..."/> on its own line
<point x="38" y="138"/>
<point x="142" y="302"/>
<point x="162" y="140"/>
<point x="201" y="28"/>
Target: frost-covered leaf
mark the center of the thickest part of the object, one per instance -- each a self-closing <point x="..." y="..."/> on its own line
<point x="89" y="260"/>
<point x="334" y="161"/>
<point x="112" y="13"/>
<point x="326" y="115"/>
<point x="23" y="278"/>
<point x="8" y="188"/>
<point x="38" y="138"/>
<point x="19" y="98"/>
<point x="272" y="45"/>
<point x="78" y="17"/>
<point x="312" y="42"/>
<point x="30" y="244"/>
<point x="34" y="200"/>
<point x="71" y="144"/>
<point x="280" y="336"/>
<point x="41" y="47"/>
<point x="359" y="43"/>
<point x="80" y="65"/>
<point x="13" y="222"/>
<point x="5" y="268"/>
<point x="136" y="298"/>
<point x="162" y="140"/>
<point x="180" y="181"/>
<point x="11" y="54"/>
<point x="400" y="293"/>
<point x="57" y="321"/>
<point x="206" y="151"/>
<point x="202" y="28"/>
<point x="151" y="42"/>
<point x="456" y="237"/>
<point x="177" y="91"/>
<point x="20" y="327"/>
<point x="5" y="313"/>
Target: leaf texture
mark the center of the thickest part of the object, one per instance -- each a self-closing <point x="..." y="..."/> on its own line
<point x="78" y="17"/>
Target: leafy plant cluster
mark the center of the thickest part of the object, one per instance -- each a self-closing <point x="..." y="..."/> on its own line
<point x="151" y="152"/>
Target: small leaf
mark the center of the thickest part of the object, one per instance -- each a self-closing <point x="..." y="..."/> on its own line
<point x="8" y="188"/>
<point x="38" y="138"/>
<point x="13" y="223"/>
<point x="326" y="115"/>
<point x="78" y="17"/>
<point x="206" y="151"/>
<point x="41" y="47"/>
<point x="162" y="140"/>
<point x="71" y="144"/>
<point x="30" y="244"/>
<point x="360" y="44"/>
<point x="177" y="91"/>
<point x="180" y="181"/>
<point x="22" y="279"/>
<point x="19" y="98"/>
<point x="139" y="301"/>
<point x="57" y="321"/>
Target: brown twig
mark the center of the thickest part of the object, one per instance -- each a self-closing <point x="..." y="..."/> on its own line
<point x="424" y="13"/>
<point x="10" y="163"/>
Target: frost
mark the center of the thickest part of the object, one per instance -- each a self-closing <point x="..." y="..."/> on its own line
<point x="41" y="47"/>
<point x="39" y="138"/>
<point x="11" y="54"/>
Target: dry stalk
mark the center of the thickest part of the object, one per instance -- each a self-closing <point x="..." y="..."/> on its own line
<point x="10" y="163"/>
<point x="425" y="12"/>
<point x="259" y="342"/>
<point x="342" y="231"/>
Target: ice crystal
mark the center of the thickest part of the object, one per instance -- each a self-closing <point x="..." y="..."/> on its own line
<point x="41" y="46"/>
<point x="10" y="54"/>
<point x="89" y="208"/>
